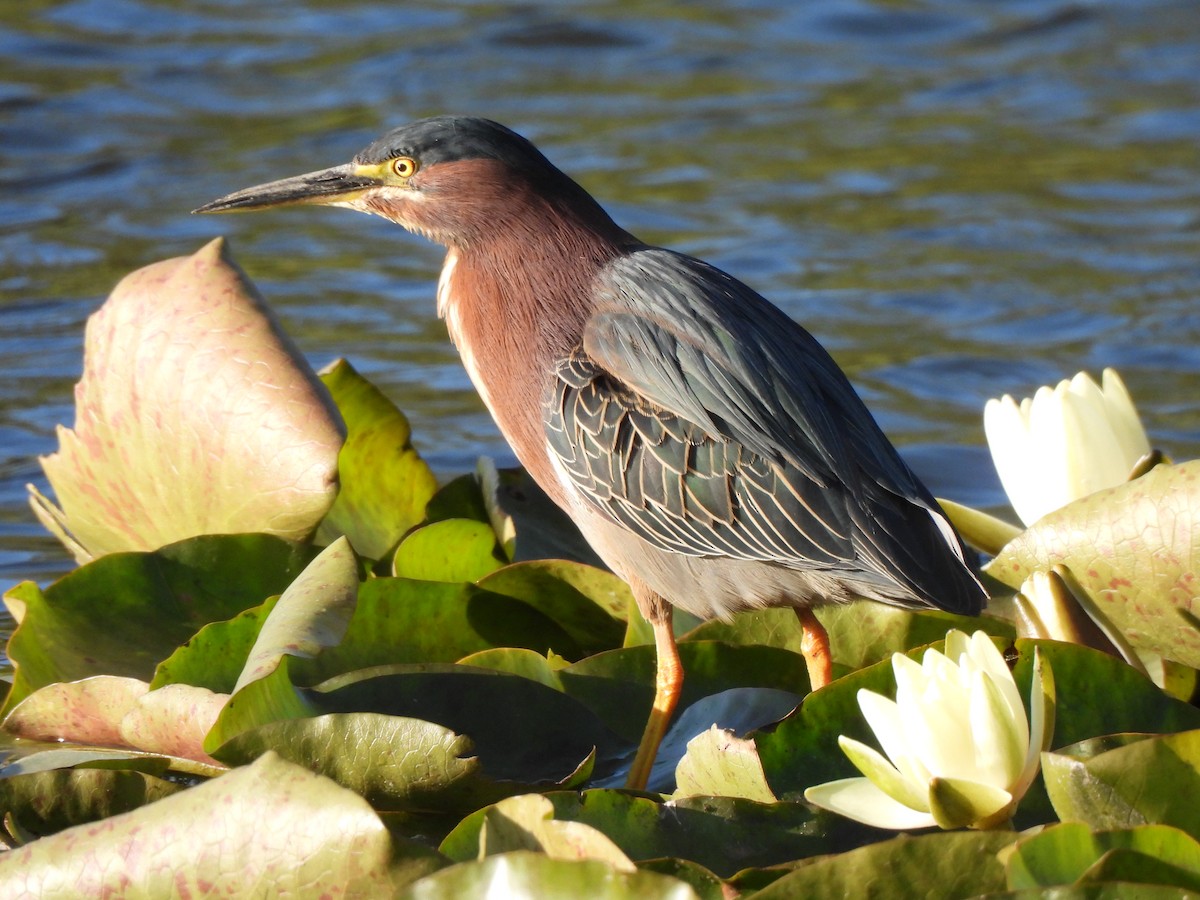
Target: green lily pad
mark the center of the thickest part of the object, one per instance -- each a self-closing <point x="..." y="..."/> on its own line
<point x="527" y="822"/>
<point x="47" y="802"/>
<point x="619" y="684"/>
<point x="267" y="828"/>
<point x="724" y="834"/>
<point x="395" y="621"/>
<point x="186" y="370"/>
<point x="528" y="874"/>
<point x="124" y="613"/>
<point x="589" y="603"/>
<point x="954" y="864"/>
<point x="384" y="483"/>
<point x="1151" y="781"/>
<point x="311" y="616"/>
<point x="403" y="620"/>
<point x="215" y="655"/>
<point x="1135" y="550"/>
<point x="521" y="730"/>
<point x="860" y="634"/>
<point x="396" y="763"/>
<point x="525" y="663"/>
<point x="451" y="550"/>
<point x="1072" y="853"/>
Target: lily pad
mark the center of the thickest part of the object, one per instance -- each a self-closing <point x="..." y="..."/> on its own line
<point x="86" y="712"/>
<point x="195" y="415"/>
<point x="521" y="730"/>
<point x="1151" y="781"/>
<point x="385" y="484"/>
<point x="719" y="762"/>
<point x="1072" y="853"/>
<point x="938" y="865"/>
<point x="1135" y="550"/>
<point x="311" y="616"/>
<point x="215" y="655"/>
<point x="268" y="828"/>
<point x="619" y="684"/>
<point x="528" y="874"/>
<point x="724" y="834"/>
<point x="396" y="763"/>
<point x="46" y="802"/>
<point x="527" y="822"/>
<point x="589" y="603"/>
<point x="451" y="550"/>
<point x="124" y="613"/>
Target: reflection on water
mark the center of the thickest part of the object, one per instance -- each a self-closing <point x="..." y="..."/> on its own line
<point x="959" y="198"/>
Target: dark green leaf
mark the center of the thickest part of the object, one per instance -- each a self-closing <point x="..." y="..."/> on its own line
<point x="144" y="605"/>
<point x="954" y="864"/>
<point x="1154" y="780"/>
<point x="521" y="730"/>
<point x="1064" y="854"/>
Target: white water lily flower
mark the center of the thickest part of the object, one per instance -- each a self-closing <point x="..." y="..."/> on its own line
<point x="1064" y="443"/>
<point x="959" y="750"/>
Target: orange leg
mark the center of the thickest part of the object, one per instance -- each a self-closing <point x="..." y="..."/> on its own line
<point x="668" y="684"/>
<point x="815" y="646"/>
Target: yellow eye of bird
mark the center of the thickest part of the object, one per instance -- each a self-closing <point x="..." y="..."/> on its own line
<point x="404" y="167"/>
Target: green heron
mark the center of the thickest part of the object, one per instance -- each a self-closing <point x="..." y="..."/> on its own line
<point x="706" y="445"/>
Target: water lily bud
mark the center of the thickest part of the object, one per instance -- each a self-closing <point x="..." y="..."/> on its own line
<point x="1064" y="443"/>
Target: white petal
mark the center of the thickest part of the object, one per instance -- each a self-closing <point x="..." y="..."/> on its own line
<point x="871" y="763"/>
<point x="1093" y="454"/>
<point x="883" y="715"/>
<point x="989" y="659"/>
<point x="1051" y="453"/>
<point x="939" y="732"/>
<point x="1006" y="426"/>
<point x="1127" y="425"/>
<point x="1000" y="748"/>
<point x="859" y="799"/>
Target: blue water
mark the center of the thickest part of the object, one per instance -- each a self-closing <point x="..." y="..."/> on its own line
<point x="960" y="199"/>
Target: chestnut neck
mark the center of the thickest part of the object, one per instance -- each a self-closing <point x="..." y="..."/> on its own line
<point x="516" y="297"/>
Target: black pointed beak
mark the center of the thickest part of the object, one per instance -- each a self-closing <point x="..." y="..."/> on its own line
<point x="340" y="184"/>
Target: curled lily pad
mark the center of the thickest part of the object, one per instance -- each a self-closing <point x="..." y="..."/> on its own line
<point x="195" y="415"/>
<point x="1135" y="550"/>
